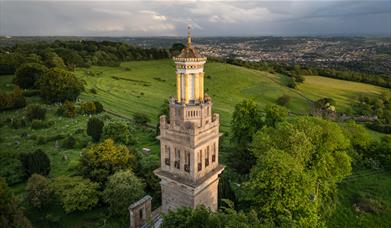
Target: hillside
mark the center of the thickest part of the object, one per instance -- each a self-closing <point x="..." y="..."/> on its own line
<point x="143" y="87"/>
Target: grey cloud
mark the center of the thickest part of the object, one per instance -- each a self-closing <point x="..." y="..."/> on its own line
<point x="209" y="18"/>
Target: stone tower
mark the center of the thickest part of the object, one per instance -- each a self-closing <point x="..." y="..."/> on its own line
<point x="189" y="139"/>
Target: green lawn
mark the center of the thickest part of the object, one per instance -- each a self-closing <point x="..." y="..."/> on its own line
<point x="343" y="92"/>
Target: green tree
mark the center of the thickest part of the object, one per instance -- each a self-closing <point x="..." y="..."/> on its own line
<point x="246" y="120"/>
<point x="11" y="214"/>
<point x="275" y="114"/>
<point x="203" y="217"/>
<point x="299" y="163"/>
<point x="35" y="162"/>
<point x="75" y="193"/>
<point x="39" y="194"/>
<point x="99" y="161"/>
<point x="120" y="131"/>
<point x="283" y="100"/>
<point x="28" y="74"/>
<point x="59" y="85"/>
<point x="141" y="118"/>
<point x="176" y="49"/>
<point x="122" y="189"/>
<point x="360" y="141"/>
<point x="95" y="128"/>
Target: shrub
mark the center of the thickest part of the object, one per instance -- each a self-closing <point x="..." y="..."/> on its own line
<point x="93" y="91"/>
<point x="76" y="193"/>
<point x="95" y="128"/>
<point x="98" y="107"/>
<point x="58" y="85"/>
<point x="35" y="112"/>
<point x="28" y="74"/>
<point x="36" y="162"/>
<point x="291" y="83"/>
<point x="283" y="100"/>
<point x="69" y="142"/>
<point x="99" y="161"/>
<point x="123" y="188"/>
<point x="141" y="118"/>
<point x="12" y="100"/>
<point x="88" y="107"/>
<point x="39" y="193"/>
<point x="11" y="215"/>
<point x="119" y="131"/>
<point x="67" y="109"/>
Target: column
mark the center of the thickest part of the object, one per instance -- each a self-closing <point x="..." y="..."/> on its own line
<point x="196" y="87"/>
<point x="186" y="88"/>
<point x="202" y="86"/>
<point x="178" y="87"/>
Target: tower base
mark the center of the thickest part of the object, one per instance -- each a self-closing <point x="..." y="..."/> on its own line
<point x="178" y="192"/>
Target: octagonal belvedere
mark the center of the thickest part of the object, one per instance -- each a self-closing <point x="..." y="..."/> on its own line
<point x="189" y="139"/>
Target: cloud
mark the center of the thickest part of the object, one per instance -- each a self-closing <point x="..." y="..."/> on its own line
<point x="112" y="12"/>
<point x="208" y="18"/>
<point x="154" y="15"/>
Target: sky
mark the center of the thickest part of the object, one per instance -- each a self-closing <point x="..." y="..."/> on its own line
<point x="207" y="17"/>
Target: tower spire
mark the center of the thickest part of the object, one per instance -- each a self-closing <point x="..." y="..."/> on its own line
<point x="188" y="35"/>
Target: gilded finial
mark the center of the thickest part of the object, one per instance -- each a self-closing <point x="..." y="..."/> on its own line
<point x="188" y="35"/>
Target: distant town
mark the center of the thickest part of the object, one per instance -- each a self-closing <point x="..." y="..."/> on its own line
<point x="370" y="55"/>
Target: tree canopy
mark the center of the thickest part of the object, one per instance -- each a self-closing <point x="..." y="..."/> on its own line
<point x="299" y="163"/>
<point x="59" y="85"/>
<point x="99" y="161"/>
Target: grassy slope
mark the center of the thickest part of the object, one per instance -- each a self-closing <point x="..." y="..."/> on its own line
<point x="343" y="92"/>
<point x="227" y="86"/>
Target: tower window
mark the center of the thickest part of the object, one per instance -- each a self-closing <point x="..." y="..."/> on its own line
<point x="207" y="156"/>
<point x="168" y="155"/>
<point x="177" y="162"/>
<point x="200" y="160"/>
<point x="214" y="152"/>
<point x="187" y="162"/>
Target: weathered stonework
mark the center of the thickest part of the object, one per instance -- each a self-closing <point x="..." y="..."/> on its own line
<point x="189" y="140"/>
<point x="140" y="212"/>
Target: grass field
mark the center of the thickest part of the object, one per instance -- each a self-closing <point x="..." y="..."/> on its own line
<point x="343" y="92"/>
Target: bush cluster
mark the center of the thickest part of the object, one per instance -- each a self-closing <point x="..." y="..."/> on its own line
<point x="12" y="100"/>
<point x="35" y="162"/>
<point x="141" y="118"/>
<point x="35" y="112"/>
<point x="67" y="109"/>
